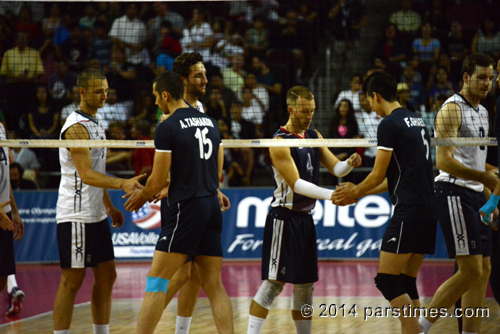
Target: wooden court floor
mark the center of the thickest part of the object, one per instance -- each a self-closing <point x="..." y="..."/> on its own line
<point x="345" y="284"/>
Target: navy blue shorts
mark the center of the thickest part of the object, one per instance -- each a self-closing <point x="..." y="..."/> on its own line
<point x="458" y="214"/>
<point x="84" y="245"/>
<point x="192" y="227"/>
<point x="289" y="251"/>
<point x="404" y="237"/>
<point x="7" y="261"/>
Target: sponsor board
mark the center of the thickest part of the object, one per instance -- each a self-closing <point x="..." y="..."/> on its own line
<point x="353" y="231"/>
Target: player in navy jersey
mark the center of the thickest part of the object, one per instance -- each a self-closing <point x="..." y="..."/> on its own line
<point x="407" y="174"/>
<point x="463" y="176"/>
<point x="289" y="251"/>
<point x="188" y="146"/>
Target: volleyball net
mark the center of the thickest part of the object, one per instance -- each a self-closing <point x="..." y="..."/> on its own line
<point x="252" y="52"/>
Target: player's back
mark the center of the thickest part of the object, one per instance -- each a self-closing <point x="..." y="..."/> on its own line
<point x="409" y="175"/>
<point x="193" y="139"/>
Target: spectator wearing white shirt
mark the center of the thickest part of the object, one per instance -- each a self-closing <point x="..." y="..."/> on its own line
<point x="351" y="94"/>
<point x="200" y="35"/>
<point x="164" y="14"/>
<point x="252" y="109"/>
<point x="259" y="93"/>
<point x="114" y="110"/>
<point x="130" y="32"/>
<point x="74" y="105"/>
<point x="368" y="122"/>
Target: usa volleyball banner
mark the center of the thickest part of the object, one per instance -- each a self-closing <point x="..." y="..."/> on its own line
<point x="342" y="232"/>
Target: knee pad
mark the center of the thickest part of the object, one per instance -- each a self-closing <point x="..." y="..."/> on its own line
<point x="410" y="285"/>
<point x="302" y="294"/>
<point x="268" y="291"/>
<point x="156" y="284"/>
<point x="389" y="285"/>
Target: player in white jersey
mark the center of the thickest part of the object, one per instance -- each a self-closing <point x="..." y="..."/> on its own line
<point x="459" y="194"/>
<point x="83" y="233"/>
<point x="11" y="225"/>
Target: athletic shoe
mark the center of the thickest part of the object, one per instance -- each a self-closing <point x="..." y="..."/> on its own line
<point x="16" y="298"/>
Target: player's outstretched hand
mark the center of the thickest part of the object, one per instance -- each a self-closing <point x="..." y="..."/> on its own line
<point x="133" y="183"/>
<point x="223" y="201"/>
<point x="135" y="200"/>
<point x="486" y="210"/>
<point x="161" y="195"/>
<point x="5" y="223"/>
<point x="354" y="160"/>
<point x="345" y="194"/>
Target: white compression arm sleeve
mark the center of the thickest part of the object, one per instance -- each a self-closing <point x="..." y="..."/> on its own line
<point x="342" y="168"/>
<point x="311" y="190"/>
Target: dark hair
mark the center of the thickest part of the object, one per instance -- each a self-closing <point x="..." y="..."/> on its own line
<point x="182" y="64"/>
<point x="171" y="83"/>
<point x="166" y="24"/>
<point x="382" y="84"/>
<point x="351" y="123"/>
<point x="142" y="126"/>
<point x="87" y="75"/>
<point x="472" y="61"/>
<point x="18" y="166"/>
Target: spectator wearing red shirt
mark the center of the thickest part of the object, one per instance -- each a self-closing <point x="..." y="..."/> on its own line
<point x="142" y="157"/>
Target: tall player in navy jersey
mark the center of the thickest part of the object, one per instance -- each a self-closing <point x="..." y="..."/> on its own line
<point x="289" y="252"/>
<point x="403" y="166"/>
<point x="187" y="145"/>
<point x="462" y="178"/>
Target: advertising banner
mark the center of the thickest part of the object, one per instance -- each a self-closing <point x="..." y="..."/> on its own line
<point x="342" y="232"/>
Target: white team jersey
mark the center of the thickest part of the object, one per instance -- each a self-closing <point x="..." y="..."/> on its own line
<point x="4" y="171"/>
<point x="77" y="201"/>
<point x="474" y="124"/>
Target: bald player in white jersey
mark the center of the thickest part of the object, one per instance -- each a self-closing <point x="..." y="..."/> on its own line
<point x="83" y="233"/>
<point x="459" y="194"/>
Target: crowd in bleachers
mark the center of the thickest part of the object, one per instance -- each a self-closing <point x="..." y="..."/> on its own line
<point x="254" y="51"/>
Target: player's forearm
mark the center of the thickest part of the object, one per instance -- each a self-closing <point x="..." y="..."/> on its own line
<point x="370" y="184"/>
<point x="96" y="179"/>
<point x="13" y="205"/>
<point x="453" y="167"/>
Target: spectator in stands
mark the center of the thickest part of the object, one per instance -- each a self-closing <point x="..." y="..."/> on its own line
<point x="164" y="14"/>
<point x="121" y="75"/>
<point x="442" y="86"/>
<point x="233" y="77"/>
<point x="457" y="45"/>
<point x="89" y="16"/>
<point x="418" y="97"/>
<point x="61" y="84"/>
<point x="167" y="44"/>
<point x="200" y="35"/>
<point x="51" y="22"/>
<point x="133" y="43"/>
<point x="215" y="105"/>
<point x="348" y="16"/>
<point x="43" y="119"/>
<point x="226" y="49"/>
<point x="61" y="34"/>
<point x="114" y="110"/>
<point x="142" y="157"/>
<point x="256" y="38"/>
<point x="351" y="94"/>
<point x="265" y="77"/>
<point x="305" y="14"/>
<point x="426" y="47"/>
<point x="23" y="68"/>
<point x="259" y="93"/>
<point x="228" y="96"/>
<point x="469" y="13"/>
<point x="144" y="108"/>
<point x="74" y="50"/>
<point x="406" y="20"/>
<point x="368" y="122"/>
<point x="101" y="45"/>
<point x="252" y="110"/>
<point x="404" y="96"/>
<point x="487" y="39"/>
<point x="25" y="156"/>
<point x="117" y="159"/>
<point x="27" y="25"/>
<point x="244" y="157"/>
<point x="17" y="182"/>
<point x="344" y="125"/>
<point x="391" y="51"/>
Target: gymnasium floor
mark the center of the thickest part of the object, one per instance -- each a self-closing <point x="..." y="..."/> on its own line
<point x="343" y="283"/>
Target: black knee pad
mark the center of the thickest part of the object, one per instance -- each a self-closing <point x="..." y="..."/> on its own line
<point x="389" y="285"/>
<point x="410" y="285"/>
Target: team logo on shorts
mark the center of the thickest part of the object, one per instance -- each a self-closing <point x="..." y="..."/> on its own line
<point x="148" y="217"/>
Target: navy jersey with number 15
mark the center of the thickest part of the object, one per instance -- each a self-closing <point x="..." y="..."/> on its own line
<point x="409" y="175"/>
<point x="193" y="139"/>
